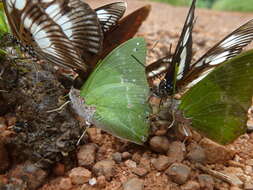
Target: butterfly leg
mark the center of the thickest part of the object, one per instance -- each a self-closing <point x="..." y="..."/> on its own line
<point x="60" y="108"/>
<point x="88" y="125"/>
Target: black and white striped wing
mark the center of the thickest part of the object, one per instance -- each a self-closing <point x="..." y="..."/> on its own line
<point x="183" y="54"/>
<point x="110" y="14"/>
<point x="53" y="30"/>
<point x="227" y="48"/>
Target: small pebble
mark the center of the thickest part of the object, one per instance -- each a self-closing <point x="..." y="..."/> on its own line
<point x="159" y="144"/>
<point x="86" y="155"/>
<point x="196" y="153"/>
<point x="133" y="184"/>
<point x="161" y="163"/>
<point x="95" y="135"/>
<point x="176" y="152"/>
<point x="126" y="155"/>
<point x="140" y="171"/>
<point x="136" y="157"/>
<point x="65" y="184"/>
<point x="206" y="181"/>
<point x="179" y="173"/>
<point x="79" y="175"/>
<point x="105" y="168"/>
<point x="101" y="181"/>
<point x="92" y="181"/>
<point x="130" y="164"/>
<point x="117" y="157"/>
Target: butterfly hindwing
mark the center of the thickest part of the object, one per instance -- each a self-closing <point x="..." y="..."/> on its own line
<point x="118" y="91"/>
<point x="110" y="14"/>
<point x="218" y="105"/>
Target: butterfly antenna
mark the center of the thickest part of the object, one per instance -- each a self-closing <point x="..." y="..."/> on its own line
<point x="138" y="61"/>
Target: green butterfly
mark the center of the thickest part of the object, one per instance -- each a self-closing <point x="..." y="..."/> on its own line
<point x="218" y="105"/>
<point x="115" y="95"/>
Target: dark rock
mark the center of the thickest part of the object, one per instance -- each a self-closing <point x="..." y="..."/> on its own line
<point x="176" y="152"/>
<point x="105" y="168"/>
<point x="196" y="153"/>
<point x="159" y="144"/>
<point x="133" y="184"/>
<point x="179" y="173"/>
<point x="117" y="157"/>
<point x="87" y="155"/>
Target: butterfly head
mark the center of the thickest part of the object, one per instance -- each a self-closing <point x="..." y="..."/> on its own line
<point x="164" y="89"/>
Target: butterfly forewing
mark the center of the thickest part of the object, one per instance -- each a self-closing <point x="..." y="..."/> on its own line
<point x="58" y="30"/>
<point x="227" y="48"/>
<point x="110" y="14"/>
<point x="182" y="57"/>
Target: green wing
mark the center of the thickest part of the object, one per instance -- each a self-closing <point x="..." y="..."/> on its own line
<point x="218" y="104"/>
<point x="118" y="89"/>
<point x="3" y="21"/>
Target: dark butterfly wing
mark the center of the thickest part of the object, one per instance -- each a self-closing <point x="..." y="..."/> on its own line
<point x="52" y="28"/>
<point x="180" y="62"/>
<point x="123" y="31"/>
<point x="110" y="14"/>
<point x="227" y="48"/>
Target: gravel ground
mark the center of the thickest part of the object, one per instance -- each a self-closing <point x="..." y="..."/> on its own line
<point x="168" y="162"/>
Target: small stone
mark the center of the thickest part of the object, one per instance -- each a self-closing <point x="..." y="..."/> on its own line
<point x="206" y="181"/>
<point x="126" y="155"/>
<point x="4" y="160"/>
<point x="95" y="135"/>
<point x="196" y="153"/>
<point x="176" y="152"/>
<point x="136" y="157"/>
<point x="249" y="162"/>
<point x="159" y="144"/>
<point x="250" y="125"/>
<point x="140" y="171"/>
<point x="215" y="153"/>
<point x="65" y="184"/>
<point x="179" y="173"/>
<point x="161" y="163"/>
<point x="133" y="184"/>
<point x="248" y="170"/>
<point x="130" y="164"/>
<point x="117" y="157"/>
<point x="172" y="186"/>
<point x="101" y="181"/>
<point x="191" y="185"/>
<point x="248" y="186"/>
<point x="105" y="168"/>
<point x="79" y="175"/>
<point x="86" y="155"/>
<point x="92" y="181"/>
